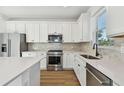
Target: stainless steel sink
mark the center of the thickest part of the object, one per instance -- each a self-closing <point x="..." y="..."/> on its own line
<point x="90" y="57"/>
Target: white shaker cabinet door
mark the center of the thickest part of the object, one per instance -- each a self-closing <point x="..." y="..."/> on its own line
<point x="29" y="32"/>
<point x="84" y="24"/>
<point x="32" y="32"/>
<point x="16" y="82"/>
<point x="68" y="60"/>
<point x="43" y="64"/>
<point x="80" y="71"/>
<point x="43" y="32"/>
<point x="20" y="28"/>
<point x="67" y="32"/>
<point x="36" y="32"/>
<point x="51" y="28"/>
<point x="82" y="76"/>
<point x="35" y="75"/>
<point x="86" y="30"/>
<point x="26" y="78"/>
<point x="54" y="28"/>
<point x="58" y="28"/>
<point x="75" y="32"/>
<point x="11" y="27"/>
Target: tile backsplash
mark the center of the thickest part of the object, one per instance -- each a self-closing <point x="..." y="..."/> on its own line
<point x="115" y="51"/>
<point x="43" y="46"/>
<point x="48" y="46"/>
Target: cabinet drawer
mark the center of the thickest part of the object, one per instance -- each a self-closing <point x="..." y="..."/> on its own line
<point x="80" y="71"/>
<point x="81" y="62"/>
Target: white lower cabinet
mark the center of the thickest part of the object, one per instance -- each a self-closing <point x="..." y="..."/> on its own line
<point x="80" y="70"/>
<point x="16" y="82"/>
<point x="30" y="77"/>
<point x="71" y="61"/>
<point x="26" y="78"/>
<point x="115" y="84"/>
<point x="68" y="60"/>
<point x="35" y="75"/>
<point x="43" y="62"/>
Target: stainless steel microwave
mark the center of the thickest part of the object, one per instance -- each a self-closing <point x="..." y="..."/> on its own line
<point x="55" y="38"/>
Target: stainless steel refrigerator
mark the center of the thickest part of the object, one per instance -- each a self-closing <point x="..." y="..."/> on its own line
<point x="12" y="45"/>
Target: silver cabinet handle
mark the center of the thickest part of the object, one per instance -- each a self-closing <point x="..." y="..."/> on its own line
<point x="9" y="47"/>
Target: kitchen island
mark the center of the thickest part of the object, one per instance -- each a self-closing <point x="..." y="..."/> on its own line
<point x="20" y="71"/>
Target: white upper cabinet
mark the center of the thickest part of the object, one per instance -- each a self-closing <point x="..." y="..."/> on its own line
<point x="2" y="25"/>
<point x="15" y="27"/>
<point x="37" y="31"/>
<point x="43" y="32"/>
<point x="84" y="21"/>
<point x="20" y="28"/>
<point x="32" y="32"/>
<point x="51" y="28"/>
<point x="66" y="32"/>
<point x="59" y="28"/>
<point x="54" y="28"/>
<point x="76" y="35"/>
<point x="115" y="21"/>
<point x="11" y="27"/>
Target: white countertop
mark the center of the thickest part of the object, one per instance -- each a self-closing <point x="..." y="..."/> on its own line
<point x="113" y="68"/>
<point x="11" y="67"/>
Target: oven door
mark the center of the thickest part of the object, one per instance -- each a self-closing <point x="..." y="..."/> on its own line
<point x="54" y="60"/>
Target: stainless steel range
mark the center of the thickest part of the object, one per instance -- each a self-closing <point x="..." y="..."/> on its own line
<point x="55" y="60"/>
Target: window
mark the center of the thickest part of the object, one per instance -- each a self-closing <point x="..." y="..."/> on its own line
<point x="101" y="35"/>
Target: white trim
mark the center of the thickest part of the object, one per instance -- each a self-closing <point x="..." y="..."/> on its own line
<point x="94" y="10"/>
<point x="98" y="11"/>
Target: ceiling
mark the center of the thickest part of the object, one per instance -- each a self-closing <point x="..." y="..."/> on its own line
<point x="42" y="12"/>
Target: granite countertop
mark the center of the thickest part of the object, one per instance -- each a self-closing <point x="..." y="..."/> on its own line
<point x="111" y="67"/>
<point x="11" y="67"/>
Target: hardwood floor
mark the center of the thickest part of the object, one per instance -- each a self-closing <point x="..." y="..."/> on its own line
<point x="59" y="78"/>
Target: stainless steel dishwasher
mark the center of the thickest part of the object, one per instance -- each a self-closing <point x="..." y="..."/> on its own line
<point x="96" y="78"/>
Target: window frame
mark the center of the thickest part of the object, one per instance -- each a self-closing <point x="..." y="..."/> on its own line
<point x="101" y="12"/>
<point x="94" y="24"/>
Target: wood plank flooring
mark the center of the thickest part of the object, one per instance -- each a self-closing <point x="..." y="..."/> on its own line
<point x="59" y="78"/>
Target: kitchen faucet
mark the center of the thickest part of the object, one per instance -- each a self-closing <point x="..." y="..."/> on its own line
<point x="95" y="45"/>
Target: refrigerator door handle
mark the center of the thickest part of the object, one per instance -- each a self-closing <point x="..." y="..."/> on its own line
<point x="9" y="48"/>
